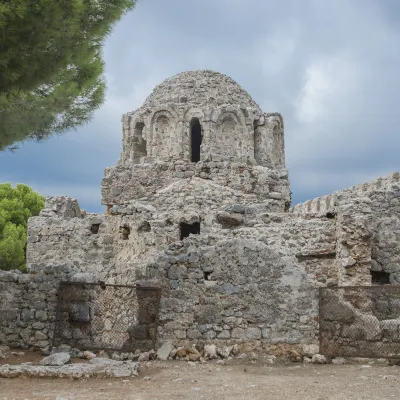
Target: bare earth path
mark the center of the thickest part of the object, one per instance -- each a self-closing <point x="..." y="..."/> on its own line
<point x="179" y="380"/>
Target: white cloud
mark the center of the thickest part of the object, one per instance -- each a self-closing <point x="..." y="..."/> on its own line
<point x="329" y="82"/>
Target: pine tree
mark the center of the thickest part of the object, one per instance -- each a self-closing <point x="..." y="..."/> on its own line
<point x="51" y="65"/>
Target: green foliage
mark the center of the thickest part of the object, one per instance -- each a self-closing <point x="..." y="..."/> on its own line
<point x="16" y="206"/>
<point x="51" y="64"/>
<point x="65" y="103"/>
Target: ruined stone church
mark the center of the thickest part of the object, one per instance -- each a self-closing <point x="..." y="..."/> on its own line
<point x="199" y="204"/>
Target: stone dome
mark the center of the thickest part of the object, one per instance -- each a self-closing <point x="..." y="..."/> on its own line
<point x="200" y="88"/>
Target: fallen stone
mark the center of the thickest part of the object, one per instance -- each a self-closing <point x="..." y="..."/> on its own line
<point x="64" y="348"/>
<point x="235" y="349"/>
<point x="164" y="351"/>
<point x="253" y="356"/>
<point x="152" y="355"/>
<point x="271" y="359"/>
<point x="224" y="351"/>
<point x="210" y="351"/>
<point x="104" y="361"/>
<point x="57" y="359"/>
<point x="89" y="355"/>
<point x="310" y="349"/>
<point x="294" y="356"/>
<point x="181" y="353"/>
<point x="173" y="353"/>
<point x="318" y="359"/>
<point x="119" y="372"/>
<point x="194" y="356"/>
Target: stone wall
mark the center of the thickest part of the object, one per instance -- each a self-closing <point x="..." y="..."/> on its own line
<point x="362" y="322"/>
<point x="249" y="183"/>
<point x="63" y="235"/>
<point x="241" y="255"/>
<point x="249" y="285"/>
<point x="368" y="228"/>
<point x="28" y="306"/>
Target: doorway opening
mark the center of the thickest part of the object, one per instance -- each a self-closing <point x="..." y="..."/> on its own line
<point x="195" y="139"/>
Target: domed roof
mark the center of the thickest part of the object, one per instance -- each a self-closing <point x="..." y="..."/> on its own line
<point x="199" y="89"/>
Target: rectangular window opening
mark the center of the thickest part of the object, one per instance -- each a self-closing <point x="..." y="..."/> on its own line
<point x="380" y="277"/>
<point x="95" y="229"/>
<point x="187" y="229"/>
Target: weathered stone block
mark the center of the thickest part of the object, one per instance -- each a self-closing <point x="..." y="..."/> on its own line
<point x="193" y="334"/>
<point x="253" y="333"/>
<point x="209" y="335"/>
<point x="27" y="314"/>
<point x="40" y="336"/>
<point x="225" y="334"/>
<point x="38" y="325"/>
<point x="238" y="333"/>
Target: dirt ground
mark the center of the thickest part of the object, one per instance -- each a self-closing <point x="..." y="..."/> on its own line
<point x="180" y="380"/>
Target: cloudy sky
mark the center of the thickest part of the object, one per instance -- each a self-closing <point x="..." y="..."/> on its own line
<point x="331" y="67"/>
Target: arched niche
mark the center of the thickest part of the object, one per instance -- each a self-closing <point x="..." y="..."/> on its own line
<point x="278" y="146"/>
<point x="229" y="141"/>
<point x="162" y="134"/>
<point x="139" y="144"/>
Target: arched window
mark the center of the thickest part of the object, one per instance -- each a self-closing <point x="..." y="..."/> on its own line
<point x="195" y="139"/>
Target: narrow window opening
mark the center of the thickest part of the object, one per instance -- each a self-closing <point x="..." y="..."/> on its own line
<point x="187" y="229"/>
<point x="195" y="140"/>
<point x="380" y="277"/>
<point x="125" y="232"/>
<point x="330" y="215"/>
<point x="207" y="276"/>
<point x="95" y="229"/>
